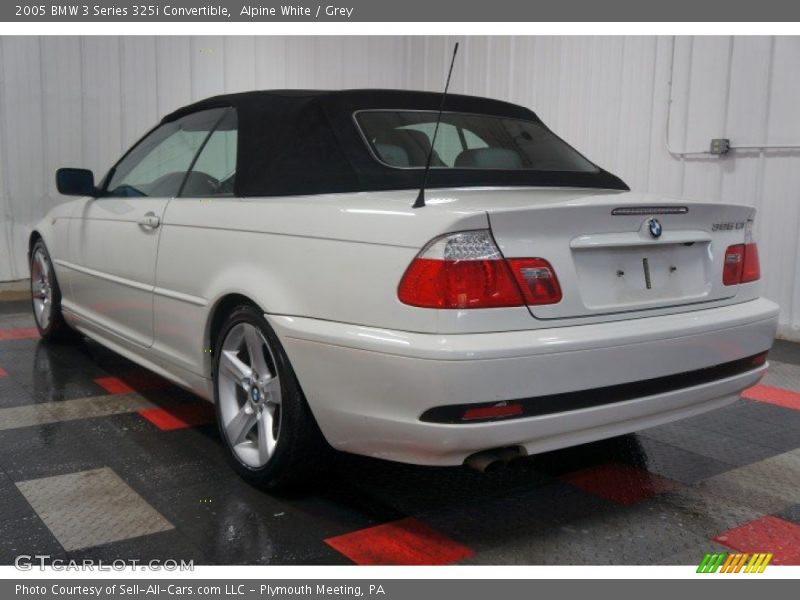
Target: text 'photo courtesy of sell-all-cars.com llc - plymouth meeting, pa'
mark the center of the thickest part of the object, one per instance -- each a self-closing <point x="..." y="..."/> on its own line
<point x="277" y="253"/>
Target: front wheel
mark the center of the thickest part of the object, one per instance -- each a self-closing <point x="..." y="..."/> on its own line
<point x="46" y="298"/>
<point x="270" y="434"/>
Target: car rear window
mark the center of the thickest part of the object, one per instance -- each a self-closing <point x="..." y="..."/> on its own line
<point x="402" y="139"/>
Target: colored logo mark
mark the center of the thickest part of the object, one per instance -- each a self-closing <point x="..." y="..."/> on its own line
<point x="734" y="563"/>
<point x="654" y="225"/>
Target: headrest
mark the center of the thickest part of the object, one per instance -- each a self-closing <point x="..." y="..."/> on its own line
<point x="415" y="143"/>
<point x="393" y="155"/>
<point x="489" y="158"/>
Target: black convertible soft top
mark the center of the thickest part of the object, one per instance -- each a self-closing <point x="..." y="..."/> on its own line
<point x="296" y="142"/>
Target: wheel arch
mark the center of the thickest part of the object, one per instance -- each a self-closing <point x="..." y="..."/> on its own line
<point x="34" y="237"/>
<point x="220" y="309"/>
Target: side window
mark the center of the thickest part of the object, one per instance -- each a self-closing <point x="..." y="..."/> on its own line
<point x="214" y="171"/>
<point x="157" y="165"/>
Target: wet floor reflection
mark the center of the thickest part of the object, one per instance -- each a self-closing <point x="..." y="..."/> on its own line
<point x="578" y="504"/>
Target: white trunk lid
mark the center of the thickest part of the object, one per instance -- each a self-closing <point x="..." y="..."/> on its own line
<point x="617" y="253"/>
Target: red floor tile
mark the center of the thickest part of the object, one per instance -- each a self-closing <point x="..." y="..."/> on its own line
<point x="620" y="483"/>
<point x="18" y="333"/>
<point x="3" y="372"/>
<point x="134" y="382"/>
<point x="180" y="416"/>
<point x="114" y="385"/>
<point x="773" y="395"/>
<point x="767" y="534"/>
<point x="404" y="542"/>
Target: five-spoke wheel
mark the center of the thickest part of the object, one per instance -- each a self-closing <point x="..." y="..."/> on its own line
<point x="41" y="289"/>
<point x="264" y="419"/>
<point x="46" y="297"/>
<point x="249" y="395"/>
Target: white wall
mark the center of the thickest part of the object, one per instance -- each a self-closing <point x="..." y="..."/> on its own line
<point x="81" y="101"/>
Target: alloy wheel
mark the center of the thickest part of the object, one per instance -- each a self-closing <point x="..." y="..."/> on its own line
<point x="42" y="289"/>
<point x="249" y="395"/>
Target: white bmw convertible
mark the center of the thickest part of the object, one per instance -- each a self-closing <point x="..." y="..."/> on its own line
<point x="272" y="252"/>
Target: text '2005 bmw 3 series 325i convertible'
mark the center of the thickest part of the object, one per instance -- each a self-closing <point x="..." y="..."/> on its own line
<point x="265" y="250"/>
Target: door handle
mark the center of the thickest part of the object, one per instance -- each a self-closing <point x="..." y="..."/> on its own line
<point x="150" y="221"/>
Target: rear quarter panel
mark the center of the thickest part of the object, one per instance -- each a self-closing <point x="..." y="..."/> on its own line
<point x="337" y="258"/>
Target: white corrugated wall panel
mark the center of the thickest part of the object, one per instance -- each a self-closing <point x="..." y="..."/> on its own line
<point x="173" y="73"/>
<point x="82" y="101"/>
<point x="101" y="90"/>
<point x="23" y="125"/>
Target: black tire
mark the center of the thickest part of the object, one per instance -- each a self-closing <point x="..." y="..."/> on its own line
<point x="49" y="319"/>
<point x="300" y="454"/>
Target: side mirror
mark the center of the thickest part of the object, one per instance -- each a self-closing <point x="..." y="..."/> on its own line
<point x="76" y="182"/>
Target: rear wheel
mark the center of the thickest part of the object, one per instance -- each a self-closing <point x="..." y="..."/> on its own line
<point x="271" y="436"/>
<point x="46" y="298"/>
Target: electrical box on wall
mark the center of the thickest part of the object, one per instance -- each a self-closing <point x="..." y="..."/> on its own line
<point x="720" y="146"/>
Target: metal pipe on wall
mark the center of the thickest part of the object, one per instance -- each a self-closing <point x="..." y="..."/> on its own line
<point x="733" y="147"/>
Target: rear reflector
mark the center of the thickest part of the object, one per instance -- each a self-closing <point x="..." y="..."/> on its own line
<point x="502" y="409"/>
<point x="758" y="359"/>
<point x="741" y="264"/>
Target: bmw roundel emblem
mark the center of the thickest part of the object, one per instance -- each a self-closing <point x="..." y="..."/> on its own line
<point x="654" y="225"/>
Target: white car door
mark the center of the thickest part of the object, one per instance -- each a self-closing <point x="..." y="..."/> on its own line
<point x="114" y="238"/>
<point x="189" y="237"/>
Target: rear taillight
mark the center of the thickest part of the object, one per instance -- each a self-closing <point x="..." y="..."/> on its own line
<point x="537" y="280"/>
<point x="467" y="270"/>
<point x="741" y="261"/>
<point x="734" y="261"/>
<point x="751" y="271"/>
<point x="461" y="270"/>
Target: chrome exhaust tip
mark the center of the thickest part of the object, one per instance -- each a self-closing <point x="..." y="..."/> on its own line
<point x="487" y="461"/>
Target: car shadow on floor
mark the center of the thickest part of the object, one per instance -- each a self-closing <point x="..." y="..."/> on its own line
<point x="60" y="373"/>
<point x="182" y="470"/>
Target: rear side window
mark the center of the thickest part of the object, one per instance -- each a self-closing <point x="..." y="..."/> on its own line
<point x="402" y="139"/>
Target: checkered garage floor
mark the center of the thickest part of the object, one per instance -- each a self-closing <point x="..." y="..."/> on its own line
<point x="100" y="459"/>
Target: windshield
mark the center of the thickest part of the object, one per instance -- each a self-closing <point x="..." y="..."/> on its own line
<point x="402" y="139"/>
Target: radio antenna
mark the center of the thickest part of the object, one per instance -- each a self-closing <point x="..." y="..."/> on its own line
<point x="420" y="201"/>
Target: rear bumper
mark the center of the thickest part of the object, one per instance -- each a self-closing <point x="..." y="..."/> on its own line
<point x="368" y="387"/>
